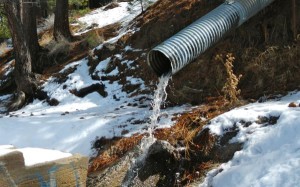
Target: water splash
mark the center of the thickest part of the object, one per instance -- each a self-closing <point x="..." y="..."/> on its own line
<point x="160" y="96"/>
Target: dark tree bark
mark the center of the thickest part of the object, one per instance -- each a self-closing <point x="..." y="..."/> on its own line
<point x="43" y="10"/>
<point x="26" y="84"/>
<point x="28" y="18"/>
<point x="294" y="19"/>
<point x="61" y="20"/>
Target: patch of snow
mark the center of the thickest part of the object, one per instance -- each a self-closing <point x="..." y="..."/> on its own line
<point x="271" y="154"/>
<point x="134" y="81"/>
<point x="103" y="64"/>
<point x="5" y="149"/>
<point x="114" y="72"/>
<point x="124" y="13"/>
<point x="128" y="63"/>
<point x="33" y="156"/>
<point x="103" y="18"/>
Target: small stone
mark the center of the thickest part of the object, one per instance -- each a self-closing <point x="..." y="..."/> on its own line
<point x="124" y="131"/>
<point x="293" y="104"/>
<point x="53" y="102"/>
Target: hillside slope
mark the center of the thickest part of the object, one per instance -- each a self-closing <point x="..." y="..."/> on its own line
<point x="101" y="105"/>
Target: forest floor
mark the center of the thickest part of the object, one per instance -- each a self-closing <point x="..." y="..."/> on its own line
<point x="100" y="101"/>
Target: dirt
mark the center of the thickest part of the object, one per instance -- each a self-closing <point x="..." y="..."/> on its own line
<point x="265" y="53"/>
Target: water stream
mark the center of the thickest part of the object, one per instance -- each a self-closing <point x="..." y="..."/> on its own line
<point x="160" y="96"/>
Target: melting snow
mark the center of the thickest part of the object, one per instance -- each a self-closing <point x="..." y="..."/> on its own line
<point x="76" y="122"/>
<point x="33" y="156"/>
<point x="271" y="154"/>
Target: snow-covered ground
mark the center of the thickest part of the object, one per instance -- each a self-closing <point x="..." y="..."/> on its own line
<point x="271" y="154"/>
<point x="124" y="13"/>
<point x="33" y="156"/>
<point x="76" y="122"/>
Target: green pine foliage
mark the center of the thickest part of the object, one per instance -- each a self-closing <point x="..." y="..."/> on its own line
<point x="4" y="31"/>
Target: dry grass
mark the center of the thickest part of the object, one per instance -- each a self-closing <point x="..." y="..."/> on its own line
<point x="3" y="48"/>
<point x="274" y="69"/>
<point x="46" y="37"/>
<point x="230" y="88"/>
<point x="61" y="46"/>
<point x="188" y="125"/>
<point x="114" y="151"/>
<point x="94" y="38"/>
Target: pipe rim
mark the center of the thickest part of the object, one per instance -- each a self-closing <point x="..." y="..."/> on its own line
<point x="159" y="62"/>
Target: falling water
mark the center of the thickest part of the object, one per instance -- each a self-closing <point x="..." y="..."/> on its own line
<point x="160" y="96"/>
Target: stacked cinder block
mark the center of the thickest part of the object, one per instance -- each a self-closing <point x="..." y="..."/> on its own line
<point x="66" y="172"/>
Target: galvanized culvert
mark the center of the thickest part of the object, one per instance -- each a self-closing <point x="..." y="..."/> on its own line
<point x="159" y="62"/>
<point x="182" y="48"/>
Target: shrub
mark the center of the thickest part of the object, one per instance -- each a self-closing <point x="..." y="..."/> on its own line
<point x="4" y="31"/>
<point x="94" y="39"/>
<point x="230" y="88"/>
<point x="61" y="46"/>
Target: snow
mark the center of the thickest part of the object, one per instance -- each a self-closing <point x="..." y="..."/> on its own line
<point x="270" y="155"/>
<point x="103" y="18"/>
<point x="76" y="122"/>
<point x="33" y="156"/>
<point x="124" y="13"/>
<point x="5" y="149"/>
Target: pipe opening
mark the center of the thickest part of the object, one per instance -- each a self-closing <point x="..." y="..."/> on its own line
<point x="159" y="62"/>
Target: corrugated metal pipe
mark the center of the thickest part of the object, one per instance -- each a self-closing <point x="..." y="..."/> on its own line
<point x="179" y="50"/>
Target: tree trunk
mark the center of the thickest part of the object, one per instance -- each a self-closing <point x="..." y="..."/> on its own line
<point x="61" y="21"/>
<point x="294" y="19"/>
<point x="23" y="70"/>
<point x="28" y="18"/>
<point x="43" y="10"/>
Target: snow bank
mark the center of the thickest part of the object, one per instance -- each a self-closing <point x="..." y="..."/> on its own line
<point x="271" y="154"/>
<point x="5" y="149"/>
<point x="103" y="17"/>
<point x="33" y="156"/>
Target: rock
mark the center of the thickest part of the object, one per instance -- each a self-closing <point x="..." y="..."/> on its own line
<point x="53" y="102"/>
<point x="92" y="26"/>
<point x="292" y="104"/>
<point x="157" y="169"/>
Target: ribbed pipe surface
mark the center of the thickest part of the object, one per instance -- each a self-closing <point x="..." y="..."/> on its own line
<point x="179" y="50"/>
